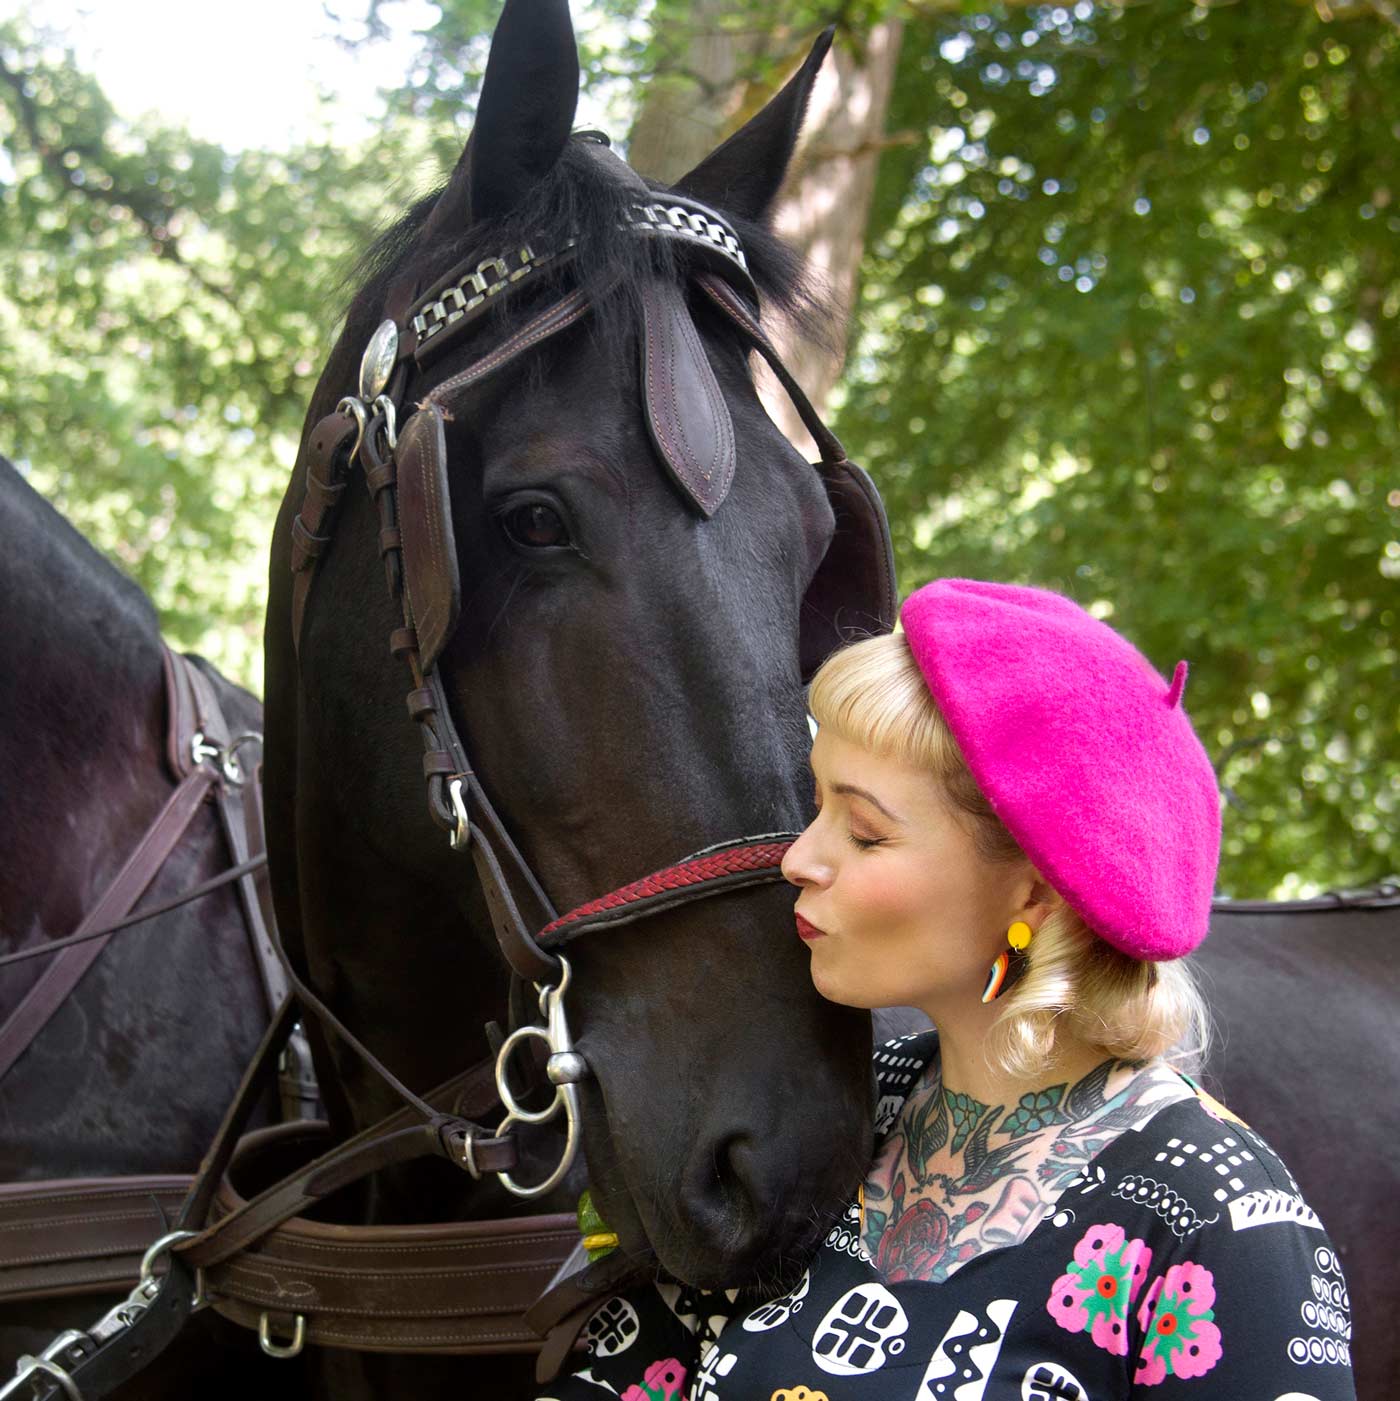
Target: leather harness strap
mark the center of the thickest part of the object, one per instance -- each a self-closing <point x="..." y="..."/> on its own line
<point x="126" y="888"/>
<point x="199" y="749"/>
<point x="79" y="1235"/>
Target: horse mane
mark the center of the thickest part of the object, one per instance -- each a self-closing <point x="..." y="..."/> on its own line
<point x="576" y="199"/>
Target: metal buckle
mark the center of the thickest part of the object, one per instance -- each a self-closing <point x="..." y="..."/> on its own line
<point x="565" y="1068"/>
<point x="284" y="1350"/>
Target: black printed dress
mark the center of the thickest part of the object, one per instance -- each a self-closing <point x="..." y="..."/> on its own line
<point x="1182" y="1262"/>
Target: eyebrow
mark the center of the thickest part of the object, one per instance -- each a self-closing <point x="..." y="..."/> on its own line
<point x="850" y="789"/>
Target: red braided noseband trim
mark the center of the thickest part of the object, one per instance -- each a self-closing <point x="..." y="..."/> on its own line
<point x="759" y="861"/>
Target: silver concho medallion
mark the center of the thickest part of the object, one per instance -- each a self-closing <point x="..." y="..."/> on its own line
<point x="377" y="363"/>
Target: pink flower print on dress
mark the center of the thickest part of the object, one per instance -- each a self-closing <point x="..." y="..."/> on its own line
<point x="662" y="1381"/>
<point x="1179" y="1337"/>
<point x="1099" y="1284"/>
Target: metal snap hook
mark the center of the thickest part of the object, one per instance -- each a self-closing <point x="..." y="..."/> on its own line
<point x="354" y="408"/>
<point x="565" y="1067"/>
<point x="385" y="406"/>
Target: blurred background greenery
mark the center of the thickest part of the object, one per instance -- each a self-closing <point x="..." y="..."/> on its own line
<point x="1117" y="287"/>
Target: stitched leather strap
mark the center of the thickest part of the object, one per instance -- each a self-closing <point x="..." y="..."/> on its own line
<point x="459" y="1287"/>
<point x="79" y="1235"/>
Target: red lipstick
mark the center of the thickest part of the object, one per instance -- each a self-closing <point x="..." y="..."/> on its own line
<point x="807" y="930"/>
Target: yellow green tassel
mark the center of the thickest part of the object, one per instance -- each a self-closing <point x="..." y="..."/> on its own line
<point x="597" y="1239"/>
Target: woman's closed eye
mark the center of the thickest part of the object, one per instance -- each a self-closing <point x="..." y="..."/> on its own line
<point x="864" y="843"/>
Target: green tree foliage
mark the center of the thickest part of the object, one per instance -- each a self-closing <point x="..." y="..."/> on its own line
<point x="1130" y="328"/>
<point x="165" y="307"/>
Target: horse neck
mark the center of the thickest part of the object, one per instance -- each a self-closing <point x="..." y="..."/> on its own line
<point x="82" y="713"/>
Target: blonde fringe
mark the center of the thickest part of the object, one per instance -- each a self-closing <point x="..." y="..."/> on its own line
<point x="873" y="694"/>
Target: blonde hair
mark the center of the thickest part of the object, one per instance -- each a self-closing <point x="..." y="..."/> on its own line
<point x="873" y="694"/>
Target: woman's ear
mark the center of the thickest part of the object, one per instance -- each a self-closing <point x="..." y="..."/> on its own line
<point x="1038" y="898"/>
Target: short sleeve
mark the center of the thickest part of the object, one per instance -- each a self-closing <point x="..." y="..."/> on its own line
<point x="1252" y="1304"/>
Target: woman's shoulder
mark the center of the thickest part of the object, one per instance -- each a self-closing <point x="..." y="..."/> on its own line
<point x="1195" y="1160"/>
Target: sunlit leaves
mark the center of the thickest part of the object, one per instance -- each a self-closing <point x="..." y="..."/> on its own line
<point x="1131" y="330"/>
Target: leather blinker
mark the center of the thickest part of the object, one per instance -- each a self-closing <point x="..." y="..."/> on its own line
<point x="431" y="574"/>
<point x="852" y="594"/>
<point x="686" y="415"/>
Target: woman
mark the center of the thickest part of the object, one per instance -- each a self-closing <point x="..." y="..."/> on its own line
<point x="1017" y="833"/>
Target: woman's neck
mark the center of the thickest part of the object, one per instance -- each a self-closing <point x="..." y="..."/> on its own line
<point x="966" y="1069"/>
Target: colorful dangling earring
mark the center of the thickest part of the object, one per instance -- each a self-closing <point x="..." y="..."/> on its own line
<point x="1010" y="963"/>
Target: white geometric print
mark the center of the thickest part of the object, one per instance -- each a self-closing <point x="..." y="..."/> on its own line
<point x="778" y="1311"/>
<point x="714" y="1366"/>
<point x="1225" y="1157"/>
<point x="895" y="1071"/>
<point x="1328" y="1310"/>
<point x="613" y="1329"/>
<point x="845" y="1236"/>
<point x="1048" y="1381"/>
<point x="963" y="1360"/>
<point x="1170" y="1205"/>
<point x="1269" y="1205"/>
<point x="861" y="1331"/>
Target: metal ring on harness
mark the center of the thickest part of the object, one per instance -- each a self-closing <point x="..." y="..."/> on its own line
<point x="234" y="772"/>
<point x="354" y="408"/>
<point x="565" y="1067"/>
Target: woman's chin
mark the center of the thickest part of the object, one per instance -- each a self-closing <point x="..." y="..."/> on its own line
<point x="845" y="992"/>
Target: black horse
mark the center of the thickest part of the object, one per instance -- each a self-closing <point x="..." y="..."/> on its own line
<point x="626" y="672"/>
<point x="131" y="1074"/>
<point x="1304" y="996"/>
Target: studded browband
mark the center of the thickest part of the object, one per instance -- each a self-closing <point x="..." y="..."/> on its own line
<point x="467" y="291"/>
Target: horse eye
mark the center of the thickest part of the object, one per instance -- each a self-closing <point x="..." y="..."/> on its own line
<point x="536" y="527"/>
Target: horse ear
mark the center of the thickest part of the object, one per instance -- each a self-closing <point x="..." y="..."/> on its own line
<point x="523" y="117"/>
<point x="743" y="175"/>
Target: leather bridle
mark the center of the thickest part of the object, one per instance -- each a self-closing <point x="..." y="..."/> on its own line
<point x="405" y="469"/>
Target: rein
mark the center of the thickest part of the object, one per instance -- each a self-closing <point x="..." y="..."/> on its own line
<point x="195" y="892"/>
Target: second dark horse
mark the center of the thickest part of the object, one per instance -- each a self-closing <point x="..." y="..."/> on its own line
<point x="626" y="673"/>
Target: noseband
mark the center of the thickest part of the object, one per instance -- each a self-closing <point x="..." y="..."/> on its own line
<point x="405" y="467"/>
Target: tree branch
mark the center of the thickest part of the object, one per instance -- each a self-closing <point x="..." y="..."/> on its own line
<point x="54" y="158"/>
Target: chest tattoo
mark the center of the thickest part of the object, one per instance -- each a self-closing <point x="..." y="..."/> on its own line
<point x="956" y="1177"/>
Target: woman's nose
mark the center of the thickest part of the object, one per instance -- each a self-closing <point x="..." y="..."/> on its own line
<point x="800" y="866"/>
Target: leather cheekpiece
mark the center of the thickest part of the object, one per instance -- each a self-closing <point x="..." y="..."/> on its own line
<point x="429" y="545"/>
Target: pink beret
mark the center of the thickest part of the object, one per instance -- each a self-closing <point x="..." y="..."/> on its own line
<point x="1084" y="752"/>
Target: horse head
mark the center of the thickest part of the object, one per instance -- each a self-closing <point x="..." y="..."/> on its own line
<point x="610" y="569"/>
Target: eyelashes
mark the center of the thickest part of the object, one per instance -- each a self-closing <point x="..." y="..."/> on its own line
<point x="863" y="843"/>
